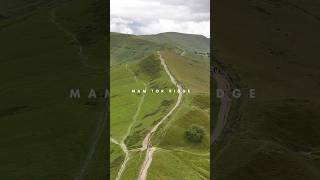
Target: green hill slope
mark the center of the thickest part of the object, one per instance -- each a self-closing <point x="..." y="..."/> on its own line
<point x="272" y="46"/>
<point x="48" y="48"/>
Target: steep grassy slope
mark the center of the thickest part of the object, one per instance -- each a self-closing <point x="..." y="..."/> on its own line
<point x="123" y="103"/>
<point x="44" y="133"/>
<point x="116" y="159"/>
<point x="190" y="156"/>
<point x="272" y="47"/>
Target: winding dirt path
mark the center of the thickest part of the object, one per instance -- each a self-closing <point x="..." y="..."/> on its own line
<point x="114" y="141"/>
<point x="83" y="58"/>
<point x="125" y="161"/>
<point x="182" y="51"/>
<point x="185" y="151"/>
<point x="71" y="36"/>
<point x="146" y="145"/>
<point x="225" y="104"/>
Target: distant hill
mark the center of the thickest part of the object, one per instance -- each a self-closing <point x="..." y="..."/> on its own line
<point x="191" y="42"/>
<point x="125" y="47"/>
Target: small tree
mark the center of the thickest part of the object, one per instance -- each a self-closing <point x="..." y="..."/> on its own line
<point x="195" y="133"/>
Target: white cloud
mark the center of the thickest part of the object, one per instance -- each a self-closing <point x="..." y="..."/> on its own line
<point x="121" y="25"/>
<point x="155" y="16"/>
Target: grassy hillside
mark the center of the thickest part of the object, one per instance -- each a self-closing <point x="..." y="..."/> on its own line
<point x="271" y="46"/>
<point x="137" y="64"/>
<point x="44" y="133"/>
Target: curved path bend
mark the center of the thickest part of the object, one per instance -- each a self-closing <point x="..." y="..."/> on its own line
<point x="225" y="104"/>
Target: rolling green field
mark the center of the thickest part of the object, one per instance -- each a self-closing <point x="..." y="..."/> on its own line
<point x="270" y="46"/>
<point x="44" y="133"/>
<point x="139" y="113"/>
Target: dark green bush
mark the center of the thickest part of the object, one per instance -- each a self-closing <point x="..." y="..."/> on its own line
<point x="195" y="133"/>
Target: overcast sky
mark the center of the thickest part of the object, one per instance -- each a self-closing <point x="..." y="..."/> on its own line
<point x="155" y="16"/>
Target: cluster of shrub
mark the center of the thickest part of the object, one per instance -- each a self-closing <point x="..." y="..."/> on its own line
<point x="195" y="133"/>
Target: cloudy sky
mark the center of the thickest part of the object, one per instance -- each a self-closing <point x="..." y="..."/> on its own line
<point x="155" y="16"/>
